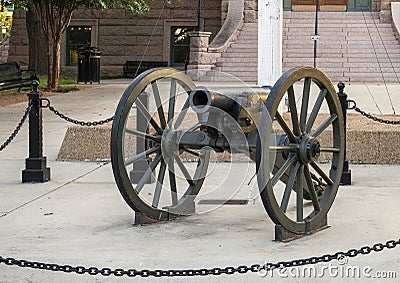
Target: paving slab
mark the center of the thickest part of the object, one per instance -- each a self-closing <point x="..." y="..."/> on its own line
<point x="86" y="222"/>
<point x="79" y="217"/>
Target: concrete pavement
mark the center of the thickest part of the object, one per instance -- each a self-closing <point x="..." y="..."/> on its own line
<point x="79" y="217"/>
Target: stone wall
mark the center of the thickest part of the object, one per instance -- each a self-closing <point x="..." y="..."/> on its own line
<point x="376" y="5"/>
<point x="4" y="46"/>
<point x="19" y="43"/>
<point x="122" y="36"/>
<point x="250" y="11"/>
<point x="385" y="14"/>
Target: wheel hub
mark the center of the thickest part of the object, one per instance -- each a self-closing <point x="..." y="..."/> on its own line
<point x="309" y="149"/>
<point x="168" y="144"/>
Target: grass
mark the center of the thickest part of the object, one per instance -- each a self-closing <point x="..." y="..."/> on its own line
<point x="66" y="84"/>
<point x="63" y="80"/>
<point x="63" y="83"/>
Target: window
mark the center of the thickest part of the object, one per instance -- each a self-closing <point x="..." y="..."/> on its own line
<point x="77" y="36"/>
<point x="180" y="45"/>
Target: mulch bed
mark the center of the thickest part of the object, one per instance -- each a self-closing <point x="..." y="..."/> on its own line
<point x="12" y="96"/>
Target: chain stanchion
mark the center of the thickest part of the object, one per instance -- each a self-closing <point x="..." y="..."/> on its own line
<point x="17" y="129"/>
<point x="345" y="179"/>
<point x="353" y="106"/>
<point x="35" y="165"/>
<point x="229" y="270"/>
<point x="74" y="121"/>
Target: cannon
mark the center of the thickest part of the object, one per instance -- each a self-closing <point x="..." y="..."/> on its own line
<point x="163" y="116"/>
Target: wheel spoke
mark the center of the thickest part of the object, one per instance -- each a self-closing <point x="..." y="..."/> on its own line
<point x="160" y="180"/>
<point x="311" y="189"/>
<point x="147" y="174"/>
<point x="321" y="173"/>
<point x="283" y="148"/>
<point x="282" y="170"/>
<point x="330" y="149"/>
<point x="143" y="135"/>
<point x="141" y="155"/>
<point x="316" y="108"/>
<point x="147" y="115"/>
<point x="299" y="195"/>
<point x="172" y="98"/>
<point x="182" y="114"/>
<point x="285" y="127"/>
<point x="172" y="182"/>
<point x="289" y="186"/>
<point x="324" y="125"/>
<point x="293" y="111"/>
<point x="191" y="152"/>
<point x="184" y="170"/>
<point x="160" y="109"/>
<point x="304" y="104"/>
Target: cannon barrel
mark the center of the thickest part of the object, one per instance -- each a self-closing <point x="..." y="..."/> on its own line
<point x="224" y="98"/>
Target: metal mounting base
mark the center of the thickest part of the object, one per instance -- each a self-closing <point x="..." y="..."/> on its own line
<point x="142" y="219"/>
<point x="187" y="211"/>
<point x="284" y="235"/>
<point x="139" y="169"/>
<point x="345" y="179"/>
<point x="36" y="170"/>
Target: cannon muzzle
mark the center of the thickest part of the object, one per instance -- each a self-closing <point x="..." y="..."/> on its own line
<point x="201" y="99"/>
<point x="224" y="98"/>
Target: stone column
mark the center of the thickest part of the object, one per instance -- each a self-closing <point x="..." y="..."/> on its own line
<point x="270" y="14"/>
<point x="200" y="61"/>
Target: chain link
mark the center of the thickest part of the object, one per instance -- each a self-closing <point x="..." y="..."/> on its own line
<point x="369" y="116"/>
<point x="73" y="121"/>
<point x="17" y="129"/>
<point x="198" y="272"/>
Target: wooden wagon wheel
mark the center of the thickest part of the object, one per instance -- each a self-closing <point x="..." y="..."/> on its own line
<point x="176" y="184"/>
<point x="313" y="129"/>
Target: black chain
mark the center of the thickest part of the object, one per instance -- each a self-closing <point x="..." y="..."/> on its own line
<point x="369" y="116"/>
<point x="198" y="272"/>
<point x="16" y="131"/>
<point x="71" y="120"/>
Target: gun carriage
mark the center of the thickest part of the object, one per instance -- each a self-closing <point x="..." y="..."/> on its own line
<point x="297" y="189"/>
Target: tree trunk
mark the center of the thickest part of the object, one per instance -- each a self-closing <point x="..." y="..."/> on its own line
<point x="56" y="63"/>
<point x="37" y="41"/>
<point x="48" y="62"/>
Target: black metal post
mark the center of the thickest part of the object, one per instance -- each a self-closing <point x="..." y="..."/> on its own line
<point x="35" y="164"/>
<point x="199" y="27"/>
<point x="346" y="174"/>
<point x="140" y="167"/>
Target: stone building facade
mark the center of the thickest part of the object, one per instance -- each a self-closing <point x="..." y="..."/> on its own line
<point x="122" y="36"/>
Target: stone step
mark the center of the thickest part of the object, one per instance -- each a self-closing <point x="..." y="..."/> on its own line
<point x="357" y="46"/>
<point x="340" y="24"/>
<point x="233" y="54"/>
<point x="243" y="45"/>
<point x="352" y="16"/>
<point x="341" y="32"/>
<point x="350" y="61"/>
<point x="352" y="46"/>
<point x="237" y="64"/>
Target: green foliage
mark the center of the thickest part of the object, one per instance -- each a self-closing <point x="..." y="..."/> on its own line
<point x="133" y="6"/>
<point x="5" y="20"/>
<point x="55" y="16"/>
